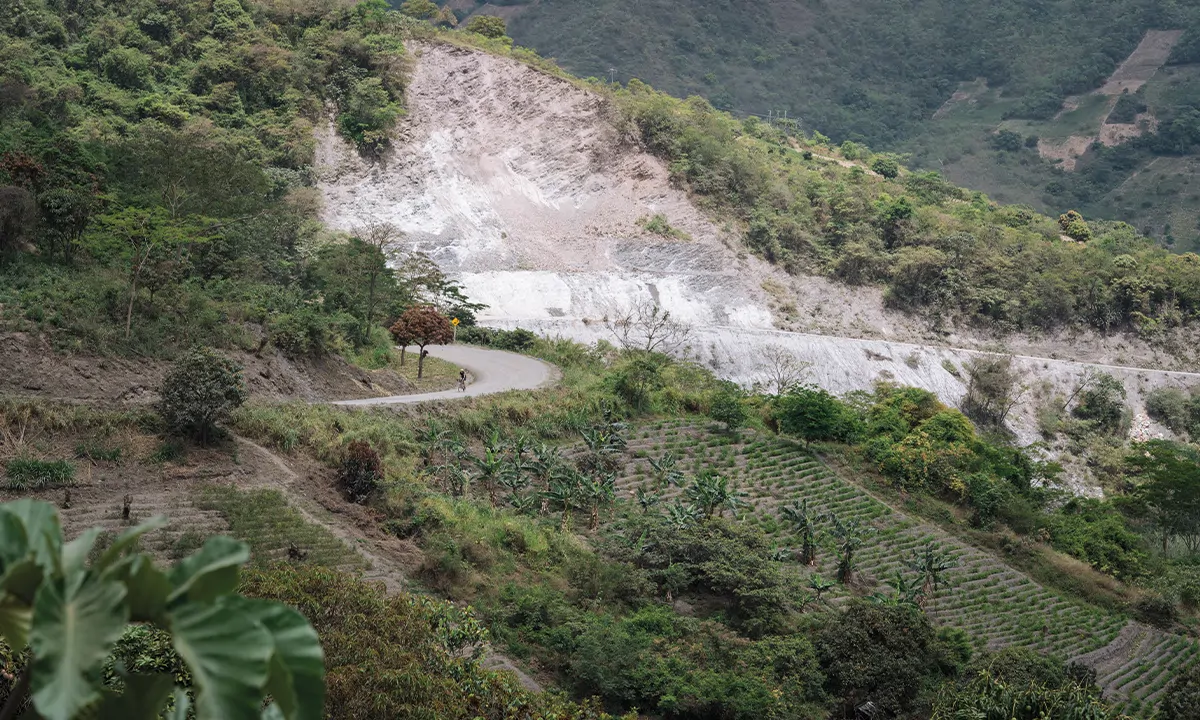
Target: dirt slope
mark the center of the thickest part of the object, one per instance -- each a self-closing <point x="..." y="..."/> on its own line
<point x="29" y="367"/>
<point x="517" y="181"/>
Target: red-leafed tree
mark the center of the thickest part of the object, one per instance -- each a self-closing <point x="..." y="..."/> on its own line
<point x="422" y="325"/>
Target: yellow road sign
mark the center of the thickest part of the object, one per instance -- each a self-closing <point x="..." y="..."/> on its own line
<point x="454" y="321"/>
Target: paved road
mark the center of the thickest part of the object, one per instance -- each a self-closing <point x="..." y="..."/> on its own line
<point x="494" y="371"/>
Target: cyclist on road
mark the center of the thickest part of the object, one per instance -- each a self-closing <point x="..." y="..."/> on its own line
<point x="462" y="379"/>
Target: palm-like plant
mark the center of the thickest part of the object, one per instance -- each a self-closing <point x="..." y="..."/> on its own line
<point x="597" y="492"/>
<point x="712" y="495"/>
<point x="523" y="503"/>
<point x="819" y="585"/>
<point x="490" y="469"/>
<point x="850" y="535"/>
<point x="931" y="563"/>
<point x="682" y="515"/>
<point x="804" y="522"/>
<point x="647" y="500"/>
<point x="605" y="445"/>
<point x="664" y="471"/>
<point x="544" y="465"/>
<point x="564" y="492"/>
<point x="908" y="590"/>
<point x="431" y="440"/>
<point x="455" y="478"/>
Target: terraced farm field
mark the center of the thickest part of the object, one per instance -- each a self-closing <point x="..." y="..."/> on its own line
<point x="993" y="602"/>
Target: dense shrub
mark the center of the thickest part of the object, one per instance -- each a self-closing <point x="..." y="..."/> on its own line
<point x="1102" y="403"/>
<point x="360" y="471"/>
<point x="1098" y="534"/>
<point x="201" y="390"/>
<point x="1182" y="696"/>
<point x="1177" y="410"/>
<point x="884" y="653"/>
<point x="726" y="407"/>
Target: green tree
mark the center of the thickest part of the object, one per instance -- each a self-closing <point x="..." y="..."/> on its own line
<point x="420" y="9"/>
<point x="1074" y="226"/>
<point x="140" y="238"/>
<point x="1102" y="401"/>
<point x="423" y="325"/>
<point x="201" y="390"/>
<point x="488" y="26"/>
<point x="726" y="407"/>
<point x="811" y="414"/>
<point x="711" y="494"/>
<point x="1169" y="489"/>
<point x="931" y="563"/>
<point x="987" y="696"/>
<point x="886" y="166"/>
<point x="850" y="536"/>
<point x="884" y="653"/>
<point x="72" y="611"/>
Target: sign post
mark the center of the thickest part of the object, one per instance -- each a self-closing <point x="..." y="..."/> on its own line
<point x="454" y="322"/>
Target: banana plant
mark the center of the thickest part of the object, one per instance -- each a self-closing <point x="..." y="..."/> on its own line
<point x="546" y="464"/>
<point x="804" y="522"/>
<point x="71" y="610"/>
<point x="682" y="515"/>
<point x="564" y="492"/>
<point x="712" y="495"/>
<point x="665" y="471"/>
<point x="491" y="470"/>
<point x="931" y="563"/>
<point x="820" y="585"/>
<point x="850" y="535"/>
<point x="647" y="500"/>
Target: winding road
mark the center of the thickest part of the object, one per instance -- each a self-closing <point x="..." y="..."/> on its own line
<point x="493" y="371"/>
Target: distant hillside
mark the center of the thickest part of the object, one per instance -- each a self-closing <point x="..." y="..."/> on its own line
<point x="878" y="72"/>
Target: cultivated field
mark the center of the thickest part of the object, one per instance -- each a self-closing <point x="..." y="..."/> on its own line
<point x="984" y="596"/>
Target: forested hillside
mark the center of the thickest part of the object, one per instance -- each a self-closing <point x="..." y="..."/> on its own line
<point x="881" y="73"/>
<point x="155" y="169"/>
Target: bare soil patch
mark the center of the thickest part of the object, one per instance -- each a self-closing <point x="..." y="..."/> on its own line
<point x="29" y="367"/>
<point x="1068" y="152"/>
<point x="1142" y="63"/>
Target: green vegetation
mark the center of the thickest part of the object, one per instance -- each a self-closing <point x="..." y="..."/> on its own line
<point x="34" y="474"/>
<point x="72" y="612"/>
<point x="274" y="530"/>
<point x="708" y="551"/>
<point x="156" y="176"/>
<point x="966" y="88"/>
<point x="939" y="250"/>
<point x="201" y="390"/>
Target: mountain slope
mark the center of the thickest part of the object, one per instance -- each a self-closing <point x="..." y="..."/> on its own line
<point x="878" y="72"/>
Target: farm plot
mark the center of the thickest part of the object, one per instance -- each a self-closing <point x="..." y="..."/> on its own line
<point x="994" y="603"/>
<point x="200" y="492"/>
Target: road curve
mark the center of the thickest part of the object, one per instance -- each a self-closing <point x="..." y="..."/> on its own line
<point x="493" y="371"/>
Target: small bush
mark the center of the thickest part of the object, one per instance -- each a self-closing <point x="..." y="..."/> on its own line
<point x="201" y="390"/>
<point x="727" y="408"/>
<point x="1175" y="409"/>
<point x="169" y="451"/>
<point x="1156" y="610"/>
<point x="30" y="474"/>
<point x="517" y="340"/>
<point x="360" y="472"/>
